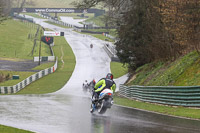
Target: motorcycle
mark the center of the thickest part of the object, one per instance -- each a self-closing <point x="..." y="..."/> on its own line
<point x="85" y="87"/>
<point x="88" y="87"/>
<point x="104" y="102"/>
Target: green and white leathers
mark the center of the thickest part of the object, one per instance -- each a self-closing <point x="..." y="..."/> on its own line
<point x="105" y="83"/>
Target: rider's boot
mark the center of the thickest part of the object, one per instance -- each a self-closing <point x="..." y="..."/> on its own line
<point x="92" y="108"/>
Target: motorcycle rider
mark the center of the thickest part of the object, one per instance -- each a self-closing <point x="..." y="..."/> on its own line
<point x="91" y="86"/>
<point x="102" y="84"/>
<point x="91" y="45"/>
<point x="85" y="83"/>
<point x="92" y="83"/>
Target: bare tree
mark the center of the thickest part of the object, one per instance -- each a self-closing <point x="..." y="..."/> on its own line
<point x="5" y="7"/>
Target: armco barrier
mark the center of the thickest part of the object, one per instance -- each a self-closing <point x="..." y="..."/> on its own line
<point x="27" y="81"/>
<point x="110" y="50"/>
<point x="188" y="96"/>
<point x="109" y="36"/>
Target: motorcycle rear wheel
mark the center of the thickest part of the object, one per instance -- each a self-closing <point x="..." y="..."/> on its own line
<point x="102" y="109"/>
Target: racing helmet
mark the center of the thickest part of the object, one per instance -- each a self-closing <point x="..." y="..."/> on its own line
<point x="109" y="76"/>
<point x="94" y="82"/>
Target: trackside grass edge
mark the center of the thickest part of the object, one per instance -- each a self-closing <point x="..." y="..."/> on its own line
<point x="118" y="69"/>
<point x="6" y="129"/>
<point x="56" y="80"/>
<point x="192" y="113"/>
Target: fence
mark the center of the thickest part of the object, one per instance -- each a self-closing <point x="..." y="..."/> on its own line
<point x="27" y="81"/>
<point x="188" y="96"/>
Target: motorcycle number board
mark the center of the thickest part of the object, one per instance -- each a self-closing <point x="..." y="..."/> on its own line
<point x="52" y="33"/>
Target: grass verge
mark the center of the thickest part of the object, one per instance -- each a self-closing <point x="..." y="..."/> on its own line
<point x="11" y="82"/>
<point x="97" y="20"/>
<point x="118" y="69"/>
<point x="14" y="42"/>
<point x="56" y="24"/>
<point x="102" y="37"/>
<point x="185" y="71"/>
<point x="6" y="129"/>
<point x="168" y="110"/>
<point x="44" y="66"/>
<point x="57" y="80"/>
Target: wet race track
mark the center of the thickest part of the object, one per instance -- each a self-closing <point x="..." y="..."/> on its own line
<point x="67" y="110"/>
<point x="57" y="113"/>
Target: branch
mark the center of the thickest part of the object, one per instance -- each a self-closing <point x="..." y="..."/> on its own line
<point x="85" y="4"/>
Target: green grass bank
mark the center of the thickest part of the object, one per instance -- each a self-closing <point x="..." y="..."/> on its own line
<point x="184" y="71"/>
<point x="118" y="69"/>
<point x="192" y="113"/>
<point x="55" y="81"/>
<point x="6" y="129"/>
<point x="16" y="40"/>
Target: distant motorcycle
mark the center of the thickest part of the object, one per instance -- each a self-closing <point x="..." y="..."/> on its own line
<point x="104" y="102"/>
<point x="91" y="86"/>
<point x="85" y="87"/>
<point x="91" y="45"/>
<point x="88" y="87"/>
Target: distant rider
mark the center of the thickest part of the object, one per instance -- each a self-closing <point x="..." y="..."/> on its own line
<point x="92" y="83"/>
<point x="91" y="45"/>
<point x="102" y="84"/>
<point x="85" y="84"/>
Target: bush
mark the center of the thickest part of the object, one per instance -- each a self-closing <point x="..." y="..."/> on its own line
<point x="4" y="77"/>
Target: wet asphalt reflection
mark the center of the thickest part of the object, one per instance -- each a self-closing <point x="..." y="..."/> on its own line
<point x="125" y="120"/>
<point x="59" y="113"/>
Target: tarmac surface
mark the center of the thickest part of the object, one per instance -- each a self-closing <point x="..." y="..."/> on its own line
<point x="18" y="65"/>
